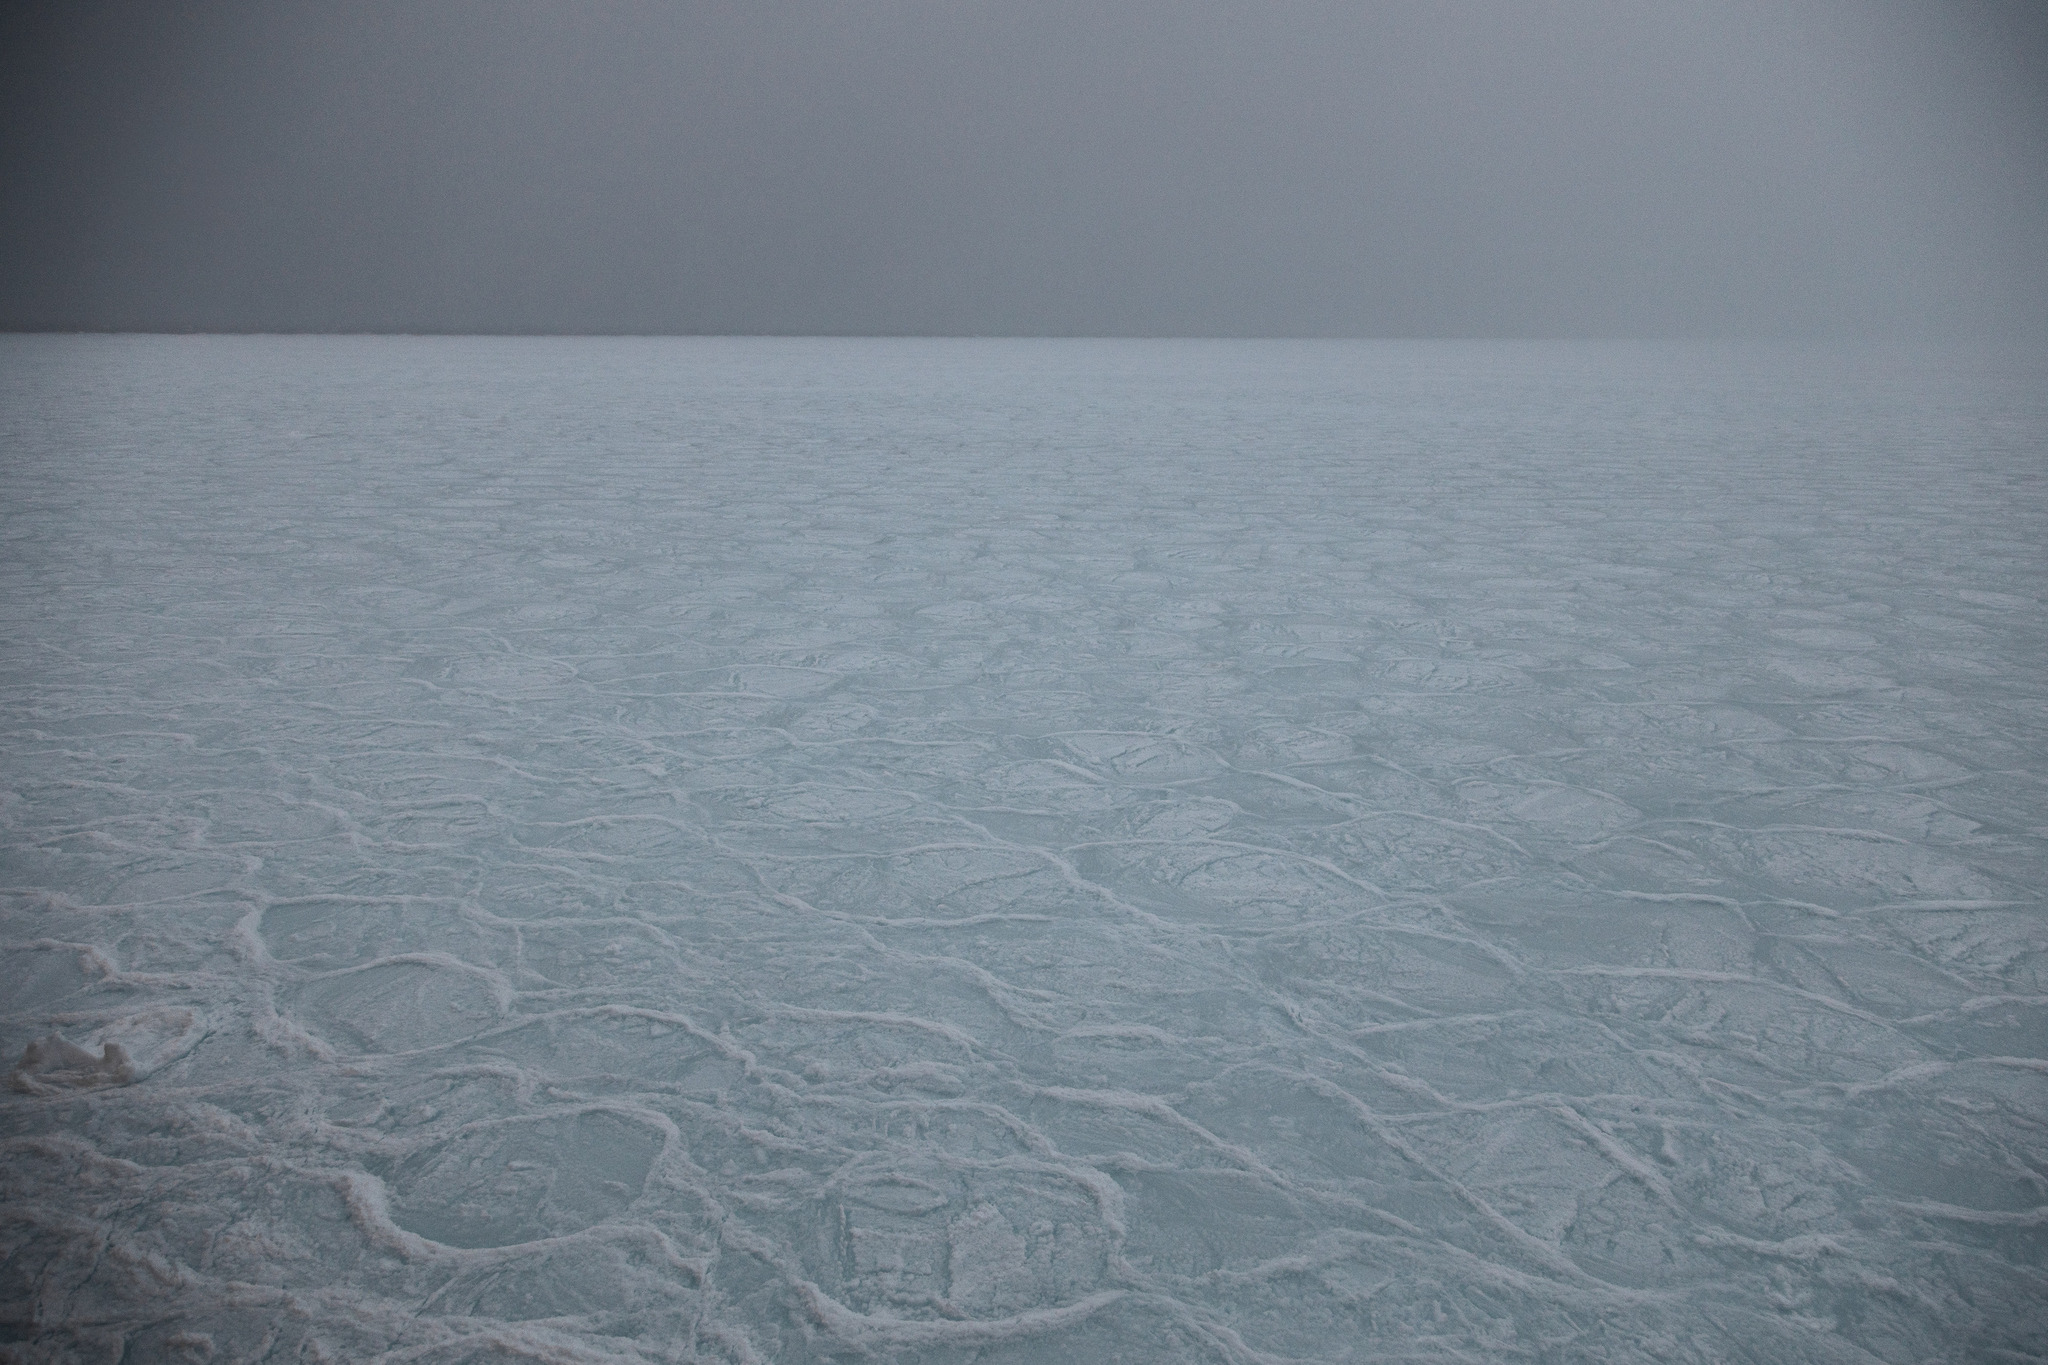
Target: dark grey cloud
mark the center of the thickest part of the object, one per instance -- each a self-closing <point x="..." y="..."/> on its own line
<point x="963" y="166"/>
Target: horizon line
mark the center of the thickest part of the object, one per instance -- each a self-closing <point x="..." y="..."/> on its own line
<point x="1783" y="338"/>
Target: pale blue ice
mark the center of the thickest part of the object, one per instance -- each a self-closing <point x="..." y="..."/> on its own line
<point x="754" y="850"/>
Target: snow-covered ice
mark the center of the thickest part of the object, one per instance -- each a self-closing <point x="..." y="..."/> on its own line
<point x="640" y="851"/>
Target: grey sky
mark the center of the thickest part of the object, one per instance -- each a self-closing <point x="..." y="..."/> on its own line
<point x="962" y="166"/>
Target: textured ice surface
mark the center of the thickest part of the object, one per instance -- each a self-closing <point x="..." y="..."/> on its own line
<point x="1042" y="851"/>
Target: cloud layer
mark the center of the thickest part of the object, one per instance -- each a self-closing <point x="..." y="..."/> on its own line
<point x="954" y="166"/>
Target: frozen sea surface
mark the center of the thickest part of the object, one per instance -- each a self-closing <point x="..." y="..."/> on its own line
<point x="1021" y="851"/>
